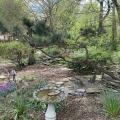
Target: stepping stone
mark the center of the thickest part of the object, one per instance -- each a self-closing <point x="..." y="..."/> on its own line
<point x="92" y="90"/>
<point x="80" y="92"/>
<point x="66" y="80"/>
<point x="98" y="77"/>
<point x="58" y="84"/>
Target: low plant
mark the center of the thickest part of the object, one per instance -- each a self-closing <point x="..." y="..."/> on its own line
<point x="19" y="106"/>
<point x="7" y="88"/>
<point x="53" y="50"/>
<point x="111" y="102"/>
<point x="37" y="105"/>
<point x="29" y="78"/>
<point x="60" y="105"/>
<point x="80" y="65"/>
<point x="40" y="85"/>
<point x="100" y="55"/>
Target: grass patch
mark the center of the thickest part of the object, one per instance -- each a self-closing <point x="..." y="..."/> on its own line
<point x="111" y="102"/>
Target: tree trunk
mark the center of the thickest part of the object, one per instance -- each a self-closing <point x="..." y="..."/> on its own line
<point x="100" y="28"/>
<point x="87" y="54"/>
<point x="114" y="29"/>
<point x="117" y="5"/>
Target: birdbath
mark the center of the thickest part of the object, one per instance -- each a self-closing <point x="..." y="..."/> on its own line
<point x="50" y="95"/>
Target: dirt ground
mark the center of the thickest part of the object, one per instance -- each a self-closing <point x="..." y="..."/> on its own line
<point x="78" y="108"/>
<point x="85" y="107"/>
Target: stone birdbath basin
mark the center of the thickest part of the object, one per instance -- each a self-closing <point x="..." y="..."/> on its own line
<point x="50" y="95"/>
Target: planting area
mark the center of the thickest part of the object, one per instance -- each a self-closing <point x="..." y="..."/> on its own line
<point x="59" y="59"/>
<point x="20" y="102"/>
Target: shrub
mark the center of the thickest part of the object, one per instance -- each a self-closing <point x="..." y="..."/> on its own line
<point x="78" y="64"/>
<point x="95" y="55"/>
<point x="58" y="39"/>
<point x="15" y="51"/>
<point x="41" y="28"/>
<point x="41" y="40"/>
<point x="100" y="56"/>
<point x="111" y="102"/>
<point x="53" y="51"/>
<point x="116" y="57"/>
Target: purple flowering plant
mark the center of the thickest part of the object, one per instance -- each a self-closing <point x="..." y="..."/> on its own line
<point x="6" y="88"/>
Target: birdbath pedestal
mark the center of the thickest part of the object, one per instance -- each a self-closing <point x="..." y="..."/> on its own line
<point x="50" y="113"/>
<point x="50" y="95"/>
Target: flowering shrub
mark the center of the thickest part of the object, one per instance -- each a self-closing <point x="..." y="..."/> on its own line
<point x="5" y="88"/>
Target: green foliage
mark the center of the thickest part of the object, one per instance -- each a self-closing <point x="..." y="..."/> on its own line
<point x="22" y="106"/>
<point x="37" y="105"/>
<point x="19" y="106"/>
<point x="116" y="57"/>
<point x="2" y="28"/>
<point x="58" y="39"/>
<point x="96" y="55"/>
<point x="100" y="55"/>
<point x="54" y="50"/>
<point x="29" y="78"/>
<point x="41" y="28"/>
<point x="78" y="64"/>
<point x="111" y="102"/>
<point x="87" y="32"/>
<point x="40" y="85"/>
<point x="29" y="23"/>
<point x="16" y="31"/>
<point x="11" y="13"/>
<point x="15" y="51"/>
<point x="41" y="40"/>
<point x="61" y="105"/>
<point x="65" y="14"/>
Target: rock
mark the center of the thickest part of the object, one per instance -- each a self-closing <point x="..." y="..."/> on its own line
<point x="26" y="84"/>
<point x="98" y="77"/>
<point x="59" y="83"/>
<point x="2" y="77"/>
<point x="80" y="92"/>
<point x="65" y="80"/>
<point x="92" y="90"/>
<point x="56" y="92"/>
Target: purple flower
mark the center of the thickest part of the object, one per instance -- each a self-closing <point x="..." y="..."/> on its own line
<point x="5" y="88"/>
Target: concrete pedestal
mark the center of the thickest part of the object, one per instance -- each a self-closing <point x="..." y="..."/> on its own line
<point x="50" y="113"/>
